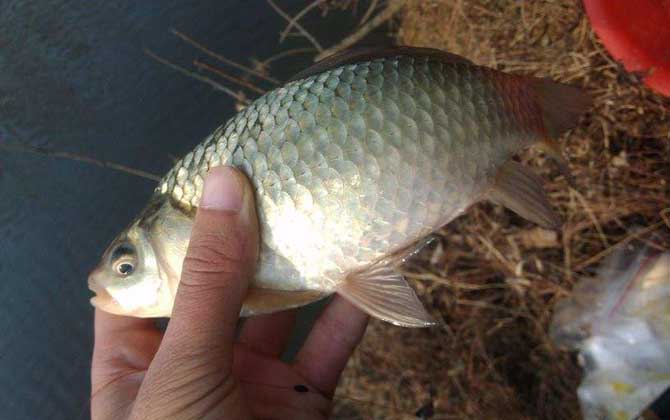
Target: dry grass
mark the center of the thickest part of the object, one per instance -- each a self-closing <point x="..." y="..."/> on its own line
<point x="492" y="277"/>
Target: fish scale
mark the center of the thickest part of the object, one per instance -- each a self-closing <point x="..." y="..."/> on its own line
<point x="397" y="139"/>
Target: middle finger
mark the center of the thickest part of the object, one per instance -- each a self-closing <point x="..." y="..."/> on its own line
<point x="268" y="334"/>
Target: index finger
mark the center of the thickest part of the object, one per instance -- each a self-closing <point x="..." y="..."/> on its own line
<point x="220" y="260"/>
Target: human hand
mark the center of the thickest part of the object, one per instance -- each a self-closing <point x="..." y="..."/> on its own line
<point x="201" y="368"/>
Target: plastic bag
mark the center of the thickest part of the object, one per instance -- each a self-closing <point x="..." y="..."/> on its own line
<point x="620" y="323"/>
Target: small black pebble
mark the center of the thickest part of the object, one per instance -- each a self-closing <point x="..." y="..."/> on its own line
<point x="300" y="388"/>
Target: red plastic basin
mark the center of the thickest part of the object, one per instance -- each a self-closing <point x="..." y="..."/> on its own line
<point x="637" y="33"/>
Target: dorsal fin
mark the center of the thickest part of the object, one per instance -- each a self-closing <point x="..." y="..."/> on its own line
<point x="359" y="55"/>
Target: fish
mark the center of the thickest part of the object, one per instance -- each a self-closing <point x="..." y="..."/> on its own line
<point x="353" y="161"/>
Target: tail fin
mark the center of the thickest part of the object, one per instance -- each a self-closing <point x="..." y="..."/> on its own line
<point x="561" y="105"/>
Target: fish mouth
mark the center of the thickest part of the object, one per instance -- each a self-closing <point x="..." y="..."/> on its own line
<point x="102" y="299"/>
<point x="105" y="302"/>
<point x="101" y="295"/>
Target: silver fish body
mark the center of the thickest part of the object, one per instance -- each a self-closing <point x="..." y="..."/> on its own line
<point x="355" y="163"/>
<point x="363" y="159"/>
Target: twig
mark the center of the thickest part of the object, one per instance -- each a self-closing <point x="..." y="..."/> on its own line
<point x="294" y="20"/>
<point x="373" y="23"/>
<point x="196" y="76"/>
<point x="592" y="216"/>
<point x="223" y="59"/>
<point x="496" y="253"/>
<point x="297" y="25"/>
<point x="286" y="53"/>
<point x="221" y="73"/>
<point x="450" y="283"/>
<point x="368" y="13"/>
<point x="80" y="158"/>
<point x="485" y="305"/>
<point x="665" y="215"/>
<point x="622" y="242"/>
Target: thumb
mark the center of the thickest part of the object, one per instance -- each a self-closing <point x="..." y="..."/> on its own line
<point x="219" y="262"/>
<point x="190" y="375"/>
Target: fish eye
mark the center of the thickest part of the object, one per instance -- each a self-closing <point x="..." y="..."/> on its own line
<point x="125" y="268"/>
<point x="123" y="259"/>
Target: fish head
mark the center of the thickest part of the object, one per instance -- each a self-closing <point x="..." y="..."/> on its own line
<point x="139" y="272"/>
<point x="127" y="280"/>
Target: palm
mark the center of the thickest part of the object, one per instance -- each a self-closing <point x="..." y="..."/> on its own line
<point x="274" y="388"/>
<point x="125" y="348"/>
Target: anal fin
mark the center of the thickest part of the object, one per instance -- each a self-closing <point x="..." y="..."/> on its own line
<point x="383" y="293"/>
<point x="520" y="190"/>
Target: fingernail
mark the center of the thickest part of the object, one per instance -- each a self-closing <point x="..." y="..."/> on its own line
<point x="222" y="190"/>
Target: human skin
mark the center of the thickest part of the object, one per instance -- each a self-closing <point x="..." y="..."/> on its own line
<point x="203" y="366"/>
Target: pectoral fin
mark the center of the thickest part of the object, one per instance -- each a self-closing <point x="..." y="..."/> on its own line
<point x="520" y="190"/>
<point x="383" y="293"/>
